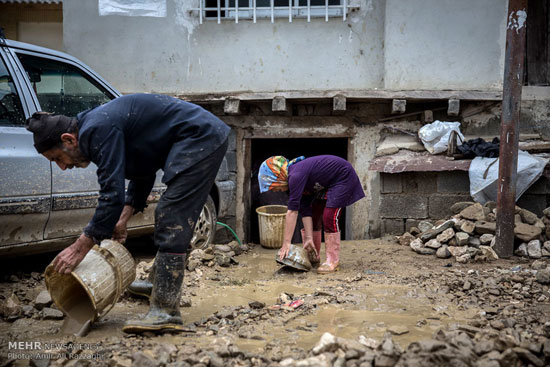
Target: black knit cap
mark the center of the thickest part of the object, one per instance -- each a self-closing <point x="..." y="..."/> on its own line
<point x="47" y="129"/>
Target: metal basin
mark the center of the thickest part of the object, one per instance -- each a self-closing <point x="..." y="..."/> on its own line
<point x="297" y="258"/>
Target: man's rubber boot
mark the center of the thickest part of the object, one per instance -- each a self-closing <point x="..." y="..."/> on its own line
<point x="332" y="244"/>
<point x="143" y="288"/>
<point x="164" y="312"/>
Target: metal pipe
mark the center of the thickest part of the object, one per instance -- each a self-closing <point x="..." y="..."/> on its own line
<point x="509" y="126"/>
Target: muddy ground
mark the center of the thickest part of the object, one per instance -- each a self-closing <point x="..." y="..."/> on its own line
<point x="386" y="306"/>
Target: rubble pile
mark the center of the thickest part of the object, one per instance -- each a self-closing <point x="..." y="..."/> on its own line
<point x="470" y="234"/>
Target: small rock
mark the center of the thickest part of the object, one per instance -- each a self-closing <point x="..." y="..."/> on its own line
<point x="223" y="260"/>
<point x="543" y="276"/>
<point x="428" y="235"/>
<point x="462" y="238"/>
<point x="486" y="239"/>
<point x="42" y="300"/>
<point x="446" y="235"/>
<point x="405" y="239"/>
<point x="197" y="254"/>
<point x="468" y="227"/>
<point x="143" y="360"/>
<point x="417" y="244"/>
<point x="521" y="250"/>
<point x="460" y="206"/>
<point x="425" y="226"/>
<point x="474" y="212"/>
<point x="12" y="307"/>
<point x="425" y="251"/>
<point x="443" y="252"/>
<point x="486" y="253"/>
<point x="193" y="263"/>
<point x="433" y="243"/>
<point x="463" y="258"/>
<point x="534" y="249"/>
<point x="256" y="304"/>
<point x="517" y="219"/>
<point x="398" y="330"/>
<point x="457" y="251"/>
<point x="221" y="248"/>
<point x="474" y="242"/>
<point x="546" y="249"/>
<point x="526" y="232"/>
<point x="51" y="314"/>
<point x="538" y="265"/>
<point x="483" y="227"/>
<point x="546" y="212"/>
<point x="528" y="217"/>
<point x="185" y="301"/>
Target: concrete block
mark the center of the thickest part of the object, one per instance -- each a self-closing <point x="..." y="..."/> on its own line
<point x="339" y="104"/>
<point x="419" y="182"/>
<point x="427" y="116"/>
<point x="232" y="106"/>
<point x="393" y="226"/>
<point x="398" y="106"/>
<point x="453" y="182"/>
<point x="391" y="183"/>
<point x="454" y="107"/>
<point x="440" y="205"/>
<point x="403" y="206"/>
<point x="279" y="104"/>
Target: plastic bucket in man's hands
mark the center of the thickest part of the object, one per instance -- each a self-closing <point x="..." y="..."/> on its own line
<point x="271" y="219"/>
<point x="95" y="285"/>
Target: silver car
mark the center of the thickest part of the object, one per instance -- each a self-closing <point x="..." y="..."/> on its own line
<point x="43" y="208"/>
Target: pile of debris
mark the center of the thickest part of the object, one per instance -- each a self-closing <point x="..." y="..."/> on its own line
<point x="470" y="234"/>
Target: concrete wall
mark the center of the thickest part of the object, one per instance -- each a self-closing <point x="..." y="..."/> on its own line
<point x="392" y="44"/>
<point x="444" y="44"/>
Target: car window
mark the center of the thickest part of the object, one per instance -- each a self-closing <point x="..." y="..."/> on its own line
<point x="11" y="112"/>
<point x="61" y="88"/>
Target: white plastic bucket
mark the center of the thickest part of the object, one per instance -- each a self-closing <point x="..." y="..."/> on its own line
<point x="271" y="219"/>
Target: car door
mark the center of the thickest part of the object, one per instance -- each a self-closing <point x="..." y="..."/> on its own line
<point x="25" y="176"/>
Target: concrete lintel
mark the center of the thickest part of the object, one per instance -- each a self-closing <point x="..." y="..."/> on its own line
<point x="339" y="104"/>
<point x="398" y="106"/>
<point x="232" y="106"/>
<point x="279" y="104"/>
<point x="454" y="107"/>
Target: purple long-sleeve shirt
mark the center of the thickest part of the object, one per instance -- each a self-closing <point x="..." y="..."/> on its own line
<point x="327" y="173"/>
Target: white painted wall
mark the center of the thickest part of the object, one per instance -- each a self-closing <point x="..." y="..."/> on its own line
<point x="445" y="44"/>
<point x="172" y="55"/>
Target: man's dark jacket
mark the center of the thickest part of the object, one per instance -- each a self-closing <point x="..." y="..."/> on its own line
<point x="133" y="137"/>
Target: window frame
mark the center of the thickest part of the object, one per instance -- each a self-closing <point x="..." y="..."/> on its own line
<point x="25" y="95"/>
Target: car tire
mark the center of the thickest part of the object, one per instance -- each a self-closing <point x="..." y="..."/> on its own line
<point x="205" y="228"/>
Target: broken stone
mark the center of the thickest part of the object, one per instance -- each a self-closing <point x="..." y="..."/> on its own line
<point x="534" y="249"/>
<point x="142" y="359"/>
<point x="528" y="217"/>
<point x="256" y="304"/>
<point x="425" y="226"/>
<point x="538" y="265"/>
<point x="546" y="249"/>
<point x="543" y="276"/>
<point x="51" y="314"/>
<point x="474" y="212"/>
<point x="223" y="260"/>
<point x="483" y="227"/>
<point x="193" y="263"/>
<point x="425" y="251"/>
<point x="42" y="300"/>
<point x="443" y="252"/>
<point x="468" y="227"/>
<point x="526" y="232"/>
<point x="486" y="253"/>
<point x="463" y="258"/>
<point x="428" y="235"/>
<point x="486" y="239"/>
<point x="474" y="242"/>
<point x="521" y="250"/>
<point x="221" y="248"/>
<point x="462" y="238"/>
<point x="398" y="330"/>
<point x="433" y="243"/>
<point x="446" y="235"/>
<point x="330" y="343"/>
<point x="460" y="206"/>
<point x="185" y="301"/>
<point x="517" y="219"/>
<point x="405" y="239"/>
<point x="12" y="307"/>
<point x="457" y="251"/>
<point x="491" y="217"/>
<point x="417" y="244"/>
<point x="369" y="342"/>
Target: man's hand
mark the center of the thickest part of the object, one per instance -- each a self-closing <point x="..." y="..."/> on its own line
<point x="283" y="252"/>
<point x="68" y="259"/>
<point x="120" y="233"/>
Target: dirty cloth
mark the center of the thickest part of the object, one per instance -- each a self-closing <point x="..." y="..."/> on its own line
<point x="323" y="173"/>
<point x="274" y="173"/>
<point x="479" y="148"/>
<point x="180" y="205"/>
<point x="133" y="137"/>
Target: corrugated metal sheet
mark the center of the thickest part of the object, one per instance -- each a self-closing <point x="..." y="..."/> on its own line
<point x="31" y="1"/>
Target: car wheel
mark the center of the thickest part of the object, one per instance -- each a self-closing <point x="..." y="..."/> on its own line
<point x="205" y="229"/>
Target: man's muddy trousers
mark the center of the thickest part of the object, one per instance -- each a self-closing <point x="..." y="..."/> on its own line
<point x="180" y="206"/>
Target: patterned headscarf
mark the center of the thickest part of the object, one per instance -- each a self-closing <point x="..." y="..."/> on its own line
<point x="274" y="172"/>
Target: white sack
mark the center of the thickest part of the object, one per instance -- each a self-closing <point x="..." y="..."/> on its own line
<point x="482" y="189"/>
<point x="435" y="136"/>
<point x="133" y="8"/>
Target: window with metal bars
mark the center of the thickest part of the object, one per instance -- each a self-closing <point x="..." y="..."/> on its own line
<point x="271" y="9"/>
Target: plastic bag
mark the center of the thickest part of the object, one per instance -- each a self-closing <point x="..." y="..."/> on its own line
<point x="435" y="136"/>
<point x="484" y="176"/>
